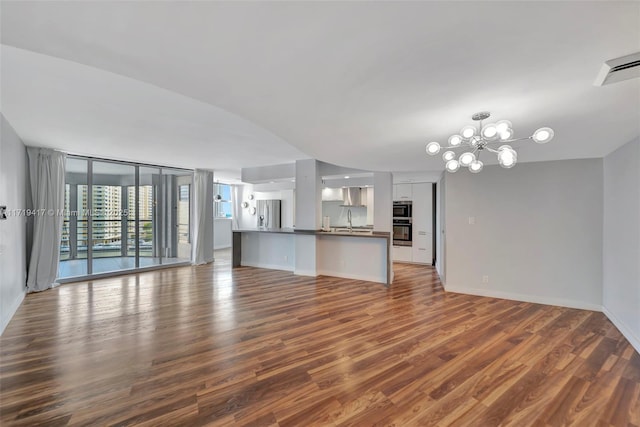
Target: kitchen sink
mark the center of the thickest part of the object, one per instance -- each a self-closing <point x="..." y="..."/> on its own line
<point x="354" y="231"/>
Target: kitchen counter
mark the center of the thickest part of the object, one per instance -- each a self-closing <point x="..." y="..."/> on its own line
<point x="357" y="232"/>
<point x="345" y="254"/>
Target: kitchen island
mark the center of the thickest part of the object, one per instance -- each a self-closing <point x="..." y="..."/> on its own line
<point x="361" y="255"/>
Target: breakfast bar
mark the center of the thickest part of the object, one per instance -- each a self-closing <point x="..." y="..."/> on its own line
<point x="356" y="254"/>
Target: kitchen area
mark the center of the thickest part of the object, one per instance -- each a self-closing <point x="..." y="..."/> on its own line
<point x="414" y="227"/>
<point x="341" y="224"/>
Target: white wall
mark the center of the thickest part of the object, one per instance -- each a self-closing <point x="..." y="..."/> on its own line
<point x="537" y="232"/>
<point x="308" y="213"/>
<point x="621" y="259"/>
<point x="268" y="173"/>
<point x="383" y="205"/>
<point x="361" y="258"/>
<point x="13" y="182"/>
<point x="418" y="176"/>
<point x="440" y="236"/>
<point x="268" y="250"/>
<point x="221" y="233"/>
<point x="308" y="209"/>
<point x="244" y="218"/>
<point x="383" y="208"/>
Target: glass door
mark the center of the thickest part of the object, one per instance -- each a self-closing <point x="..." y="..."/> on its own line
<point x="149" y="218"/>
<point x="112" y="211"/>
<point x="123" y="216"/>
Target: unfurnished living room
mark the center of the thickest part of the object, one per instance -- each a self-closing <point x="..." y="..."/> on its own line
<point x="320" y="213"/>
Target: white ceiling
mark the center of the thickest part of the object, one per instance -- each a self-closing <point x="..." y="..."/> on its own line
<point x="358" y="84"/>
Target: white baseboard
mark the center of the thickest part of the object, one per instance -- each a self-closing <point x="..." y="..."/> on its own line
<point x="352" y="276"/>
<point x="537" y="299"/>
<point x="267" y="266"/>
<point x="6" y="318"/>
<point x="623" y="328"/>
<point x="311" y="273"/>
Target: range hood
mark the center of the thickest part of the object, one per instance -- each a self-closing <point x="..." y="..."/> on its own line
<point x="352" y="197"/>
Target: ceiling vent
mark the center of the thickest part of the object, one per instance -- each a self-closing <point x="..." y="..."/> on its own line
<point x="619" y="69"/>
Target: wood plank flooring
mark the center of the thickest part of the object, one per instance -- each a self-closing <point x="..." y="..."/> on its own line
<point x="209" y="345"/>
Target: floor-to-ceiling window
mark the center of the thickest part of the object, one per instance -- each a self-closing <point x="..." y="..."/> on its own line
<point x="73" y="247"/>
<point x="137" y="217"/>
<point x="111" y="248"/>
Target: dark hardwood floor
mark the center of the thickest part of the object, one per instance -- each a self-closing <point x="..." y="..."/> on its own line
<point x="211" y="346"/>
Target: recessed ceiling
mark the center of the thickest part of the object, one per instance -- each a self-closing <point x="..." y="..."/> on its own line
<point x="358" y="84"/>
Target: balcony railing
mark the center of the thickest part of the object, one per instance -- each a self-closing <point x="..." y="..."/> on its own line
<point x="106" y="239"/>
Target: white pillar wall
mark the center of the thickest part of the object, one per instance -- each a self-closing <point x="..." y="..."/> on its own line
<point x="308" y="208"/>
<point x="383" y="206"/>
<point x="383" y="209"/>
<point x="308" y="195"/>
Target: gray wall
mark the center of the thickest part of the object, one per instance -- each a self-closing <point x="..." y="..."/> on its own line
<point x="13" y="264"/>
<point x="537" y="233"/>
<point x="621" y="260"/>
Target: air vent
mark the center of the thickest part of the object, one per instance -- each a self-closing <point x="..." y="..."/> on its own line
<point x="619" y="69"/>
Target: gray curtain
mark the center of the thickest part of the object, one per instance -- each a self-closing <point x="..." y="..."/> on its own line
<point x="46" y="173"/>
<point x="202" y="249"/>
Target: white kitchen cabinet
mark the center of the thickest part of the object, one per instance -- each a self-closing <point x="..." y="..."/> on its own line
<point x="402" y="253"/>
<point x="370" y="206"/>
<point x="332" y="195"/>
<point x="421" y="251"/>
<point x="422" y="219"/>
<point x="402" y="192"/>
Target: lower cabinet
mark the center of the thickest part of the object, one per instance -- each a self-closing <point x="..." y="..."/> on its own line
<point x="422" y="248"/>
<point x="402" y="253"/>
<point x="420" y="252"/>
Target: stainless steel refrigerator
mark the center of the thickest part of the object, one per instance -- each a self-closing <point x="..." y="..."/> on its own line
<point x="268" y="214"/>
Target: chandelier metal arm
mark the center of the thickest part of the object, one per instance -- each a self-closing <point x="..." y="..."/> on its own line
<point x="473" y="141"/>
<point x="511" y="140"/>
<point x="492" y="150"/>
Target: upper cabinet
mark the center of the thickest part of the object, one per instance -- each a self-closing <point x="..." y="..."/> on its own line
<point x="332" y="195"/>
<point x="402" y="192"/>
<point x="370" y="206"/>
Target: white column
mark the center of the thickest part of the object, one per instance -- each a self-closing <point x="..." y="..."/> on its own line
<point x="383" y="205"/>
<point x="308" y="195"/>
<point x="383" y="208"/>
<point x="308" y="208"/>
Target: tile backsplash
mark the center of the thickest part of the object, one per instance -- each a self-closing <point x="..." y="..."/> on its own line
<point x="338" y="214"/>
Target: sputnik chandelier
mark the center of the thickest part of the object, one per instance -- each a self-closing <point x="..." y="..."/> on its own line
<point x="474" y="140"/>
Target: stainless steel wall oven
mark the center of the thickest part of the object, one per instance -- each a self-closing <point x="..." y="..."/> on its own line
<point x="402" y="232"/>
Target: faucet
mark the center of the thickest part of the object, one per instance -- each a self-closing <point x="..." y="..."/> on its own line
<point x="349" y="220"/>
